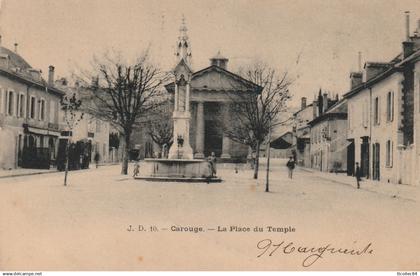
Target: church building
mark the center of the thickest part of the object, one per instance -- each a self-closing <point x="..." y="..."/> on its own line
<point x="210" y="93"/>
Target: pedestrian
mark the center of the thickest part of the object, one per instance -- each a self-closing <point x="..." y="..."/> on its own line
<point x="358" y="175"/>
<point x="212" y="163"/>
<point x="291" y="165"/>
<point x="136" y="169"/>
<point x="97" y="157"/>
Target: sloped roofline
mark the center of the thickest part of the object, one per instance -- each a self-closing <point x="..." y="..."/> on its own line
<point x="393" y="69"/>
<point x="41" y="84"/>
<point x="235" y="76"/>
<point x="170" y="86"/>
<point x="326" y="116"/>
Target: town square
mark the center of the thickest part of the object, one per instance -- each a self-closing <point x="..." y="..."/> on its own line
<point x="209" y="135"/>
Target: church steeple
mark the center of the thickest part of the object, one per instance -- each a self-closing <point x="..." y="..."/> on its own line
<point x="183" y="48"/>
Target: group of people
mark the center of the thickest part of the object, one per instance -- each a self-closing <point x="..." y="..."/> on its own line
<point x="358" y="172"/>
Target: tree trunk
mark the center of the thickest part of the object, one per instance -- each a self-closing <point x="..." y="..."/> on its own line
<point x="124" y="167"/>
<point x="267" y="177"/>
<point x="66" y="171"/>
<point x="257" y="161"/>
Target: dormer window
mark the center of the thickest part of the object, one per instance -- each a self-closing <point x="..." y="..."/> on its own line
<point x="35" y="73"/>
<point x="4" y="61"/>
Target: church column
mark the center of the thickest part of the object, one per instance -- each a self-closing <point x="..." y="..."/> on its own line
<point x="199" y="138"/>
<point x="226" y="141"/>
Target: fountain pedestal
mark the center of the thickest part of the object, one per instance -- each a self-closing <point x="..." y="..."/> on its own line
<point x="176" y="170"/>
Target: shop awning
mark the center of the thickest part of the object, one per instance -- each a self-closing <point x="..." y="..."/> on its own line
<point x="42" y="131"/>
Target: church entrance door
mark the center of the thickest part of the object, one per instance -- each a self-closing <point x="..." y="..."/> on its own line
<point x="213" y="138"/>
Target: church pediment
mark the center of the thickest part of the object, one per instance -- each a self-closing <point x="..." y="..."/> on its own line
<point x="218" y="79"/>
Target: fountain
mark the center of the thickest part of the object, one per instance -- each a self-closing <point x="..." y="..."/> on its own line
<point x="180" y="165"/>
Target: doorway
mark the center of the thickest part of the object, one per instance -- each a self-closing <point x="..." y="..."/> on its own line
<point x="350" y="158"/>
<point x="364" y="156"/>
<point x="376" y="150"/>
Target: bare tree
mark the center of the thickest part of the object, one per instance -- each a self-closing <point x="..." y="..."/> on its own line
<point x="123" y="93"/>
<point x="256" y="113"/>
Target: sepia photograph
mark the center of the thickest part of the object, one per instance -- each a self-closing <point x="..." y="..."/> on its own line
<point x="209" y="135"/>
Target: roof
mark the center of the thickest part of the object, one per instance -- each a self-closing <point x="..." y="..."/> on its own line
<point x="170" y="87"/>
<point x="300" y="110"/>
<point x="19" y="69"/>
<point x="391" y="70"/>
<point x="15" y="60"/>
<point x="340" y="106"/>
<point x="284" y="141"/>
<point x="328" y="116"/>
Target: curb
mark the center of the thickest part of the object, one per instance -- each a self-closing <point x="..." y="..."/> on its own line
<point x="348" y="184"/>
<point x="51" y="171"/>
<point x="27" y="174"/>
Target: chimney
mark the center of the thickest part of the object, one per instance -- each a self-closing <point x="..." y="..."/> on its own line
<point x="51" y="75"/>
<point x="320" y="102"/>
<point x="417" y="31"/>
<point x="356" y="79"/>
<point x="407" y="26"/>
<point x="325" y="103"/>
<point x="16" y="46"/>
<point x="0" y="40"/>
<point x="408" y="48"/>
<point x="359" y="62"/>
<point x="303" y="103"/>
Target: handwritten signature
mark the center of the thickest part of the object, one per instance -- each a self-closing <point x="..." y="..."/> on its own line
<point x="312" y="253"/>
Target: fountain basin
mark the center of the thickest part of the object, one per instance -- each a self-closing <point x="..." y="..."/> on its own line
<point x="177" y="170"/>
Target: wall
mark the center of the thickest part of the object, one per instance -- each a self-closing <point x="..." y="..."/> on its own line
<point x="358" y="120"/>
<point x="329" y="154"/>
<point x="12" y="125"/>
<point x="388" y="130"/>
<point x="416" y="167"/>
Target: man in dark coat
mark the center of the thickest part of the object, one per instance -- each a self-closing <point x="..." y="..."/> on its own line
<point x="290" y="165"/>
<point x="358" y="175"/>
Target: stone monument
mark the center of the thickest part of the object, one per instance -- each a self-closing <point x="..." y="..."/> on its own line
<point x="180" y="165"/>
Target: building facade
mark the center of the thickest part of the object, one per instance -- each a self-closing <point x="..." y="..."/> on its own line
<point x="29" y="120"/>
<point x="328" y="150"/>
<point x="382" y="119"/>
<point x="89" y="130"/>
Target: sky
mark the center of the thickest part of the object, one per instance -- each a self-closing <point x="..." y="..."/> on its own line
<point x="315" y="41"/>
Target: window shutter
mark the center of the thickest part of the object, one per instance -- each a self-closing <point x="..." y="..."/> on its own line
<point x="392" y="153"/>
<point x="392" y="106"/>
<point x="1" y="101"/>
